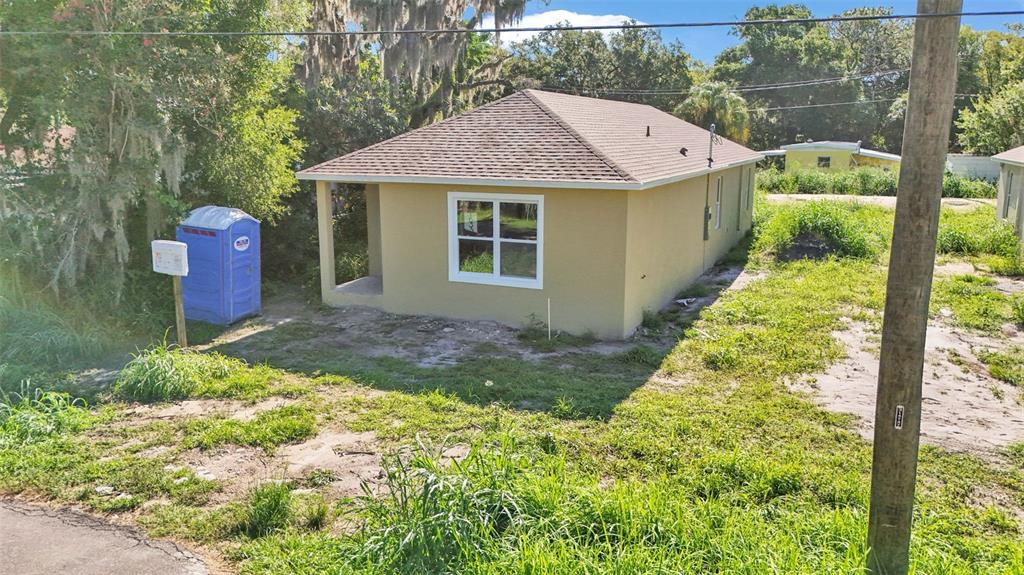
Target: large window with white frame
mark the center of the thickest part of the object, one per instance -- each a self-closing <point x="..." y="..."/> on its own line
<point x="496" y="239"/>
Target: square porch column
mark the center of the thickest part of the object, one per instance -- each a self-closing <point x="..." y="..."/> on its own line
<point x="325" y="235"/>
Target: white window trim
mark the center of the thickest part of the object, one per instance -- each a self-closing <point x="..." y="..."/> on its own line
<point x="456" y="275"/>
<point x="718" y="203"/>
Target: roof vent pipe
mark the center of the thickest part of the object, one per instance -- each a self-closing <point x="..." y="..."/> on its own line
<point x="648" y="131"/>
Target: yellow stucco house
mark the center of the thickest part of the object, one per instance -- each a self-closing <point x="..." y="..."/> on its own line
<point x="1009" y="206"/>
<point x="593" y="209"/>
<point x="832" y="156"/>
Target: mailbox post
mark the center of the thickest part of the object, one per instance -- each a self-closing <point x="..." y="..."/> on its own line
<point x="171" y="258"/>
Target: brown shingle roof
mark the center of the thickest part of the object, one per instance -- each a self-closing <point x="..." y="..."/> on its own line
<point x="1014" y="156"/>
<point x="535" y="138"/>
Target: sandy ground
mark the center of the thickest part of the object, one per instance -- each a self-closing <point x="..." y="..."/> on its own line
<point x="956" y="204"/>
<point x="963" y="408"/>
<point x="41" y="541"/>
<point x="423" y="340"/>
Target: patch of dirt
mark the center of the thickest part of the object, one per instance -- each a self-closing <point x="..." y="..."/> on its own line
<point x="807" y="246"/>
<point x="345" y="457"/>
<point x="290" y="324"/>
<point x="963" y="408"/>
<point x="349" y="457"/>
<point x="206" y="407"/>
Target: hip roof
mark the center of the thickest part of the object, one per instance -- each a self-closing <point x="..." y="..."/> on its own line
<point x="542" y="139"/>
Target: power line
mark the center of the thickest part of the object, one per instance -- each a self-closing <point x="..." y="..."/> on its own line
<point x="596" y="27"/>
<point x="776" y="108"/>
<point x="747" y="88"/>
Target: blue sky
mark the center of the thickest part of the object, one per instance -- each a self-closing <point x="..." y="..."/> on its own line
<point x="705" y="43"/>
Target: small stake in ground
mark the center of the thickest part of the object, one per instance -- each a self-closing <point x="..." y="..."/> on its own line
<point x="171" y="258"/>
<point x="905" y="323"/>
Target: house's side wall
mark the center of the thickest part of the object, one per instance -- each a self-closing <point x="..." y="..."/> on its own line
<point x="666" y="250"/>
<point x="373" y="238"/>
<point x="869" y="161"/>
<point x="583" y="265"/>
<point x="1011" y="213"/>
<point x="808" y="160"/>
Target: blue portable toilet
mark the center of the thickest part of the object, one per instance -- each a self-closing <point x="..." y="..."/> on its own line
<point x="223" y="281"/>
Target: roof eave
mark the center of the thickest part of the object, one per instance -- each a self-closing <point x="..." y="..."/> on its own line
<point x="1008" y="161"/>
<point x="499" y="182"/>
<point x="511" y="183"/>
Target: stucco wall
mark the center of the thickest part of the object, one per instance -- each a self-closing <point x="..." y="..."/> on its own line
<point x="666" y="248"/>
<point x="1011" y="213"/>
<point x="876" y="162"/>
<point x="607" y="254"/>
<point x="808" y="159"/>
<point x="584" y="258"/>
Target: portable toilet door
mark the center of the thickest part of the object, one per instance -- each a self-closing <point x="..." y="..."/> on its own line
<point x="223" y="284"/>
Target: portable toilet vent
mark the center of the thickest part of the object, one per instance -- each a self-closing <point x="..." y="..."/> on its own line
<point x="223" y="281"/>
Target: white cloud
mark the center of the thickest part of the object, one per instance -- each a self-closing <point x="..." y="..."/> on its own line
<point x="553" y="17"/>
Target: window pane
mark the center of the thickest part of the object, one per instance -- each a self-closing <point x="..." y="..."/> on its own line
<point x="518" y="260"/>
<point x="519" y="221"/>
<point x="475" y="218"/>
<point x="476" y="256"/>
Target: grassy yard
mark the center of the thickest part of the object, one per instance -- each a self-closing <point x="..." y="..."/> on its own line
<point x="692" y="459"/>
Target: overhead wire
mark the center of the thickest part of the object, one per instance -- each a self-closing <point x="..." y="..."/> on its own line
<point x="497" y="30"/>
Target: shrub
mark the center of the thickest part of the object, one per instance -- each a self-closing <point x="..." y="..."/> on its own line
<point x="815" y="229"/>
<point x="267" y="509"/>
<point x="864" y="181"/>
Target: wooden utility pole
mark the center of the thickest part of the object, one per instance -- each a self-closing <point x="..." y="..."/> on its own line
<point x="905" y="324"/>
<point x="179" y="313"/>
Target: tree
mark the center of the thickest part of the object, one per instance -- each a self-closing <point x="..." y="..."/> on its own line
<point x="786" y="53"/>
<point x="716" y="103"/>
<point x="148" y="125"/>
<point x="632" y="65"/>
<point x="996" y="124"/>
<point x="426" y="63"/>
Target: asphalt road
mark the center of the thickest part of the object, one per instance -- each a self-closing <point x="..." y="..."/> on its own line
<point x="38" y="541"/>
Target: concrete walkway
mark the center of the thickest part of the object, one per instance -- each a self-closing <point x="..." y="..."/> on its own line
<point x="35" y="540"/>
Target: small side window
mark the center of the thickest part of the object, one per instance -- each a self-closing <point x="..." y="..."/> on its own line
<point x="824" y="161"/>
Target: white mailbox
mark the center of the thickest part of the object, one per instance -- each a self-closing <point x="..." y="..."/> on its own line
<point x="170" y="257"/>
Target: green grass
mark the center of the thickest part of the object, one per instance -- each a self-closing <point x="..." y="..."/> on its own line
<point x="575" y="465"/>
<point x="1006" y="365"/>
<point x="817" y="229"/>
<point x="267" y="508"/>
<point x="31" y="417"/>
<point x="863" y="182"/>
<point x="164" y="373"/>
<point x="974" y="233"/>
<point x="268" y="429"/>
<point x="973" y="301"/>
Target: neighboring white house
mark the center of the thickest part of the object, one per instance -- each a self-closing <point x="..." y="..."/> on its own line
<point x="969" y="166"/>
<point x="1011" y="185"/>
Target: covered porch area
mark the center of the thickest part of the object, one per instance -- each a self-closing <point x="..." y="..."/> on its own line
<point x="367" y="290"/>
